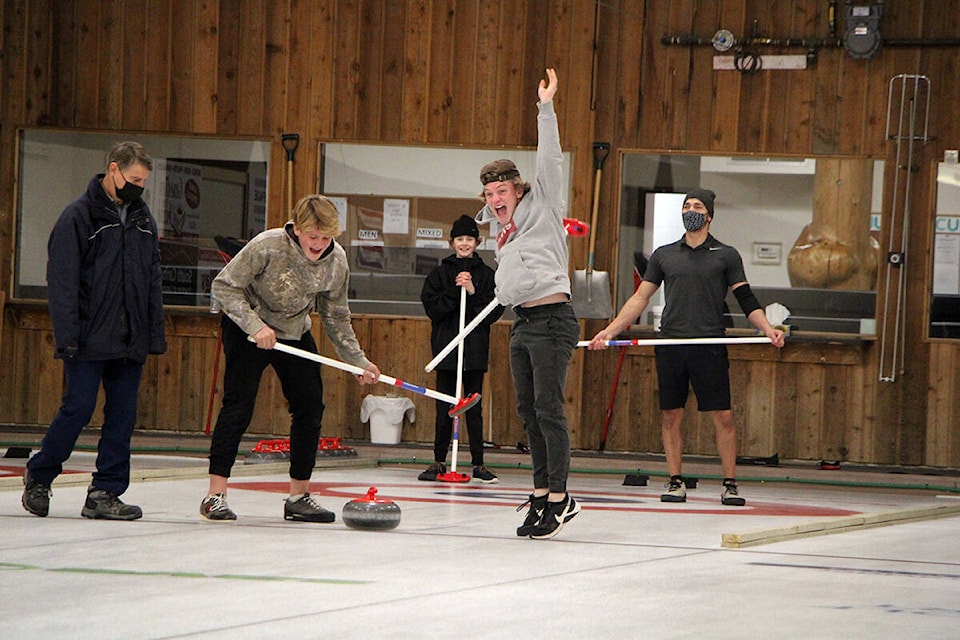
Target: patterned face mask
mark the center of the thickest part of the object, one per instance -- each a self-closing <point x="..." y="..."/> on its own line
<point x="692" y="221"/>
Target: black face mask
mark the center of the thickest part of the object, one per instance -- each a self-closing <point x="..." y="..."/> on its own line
<point x="129" y="191"/>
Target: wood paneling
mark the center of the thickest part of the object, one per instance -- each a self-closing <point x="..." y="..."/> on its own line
<point x="464" y="73"/>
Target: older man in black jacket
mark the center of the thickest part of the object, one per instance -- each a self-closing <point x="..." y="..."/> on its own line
<point x="104" y="292"/>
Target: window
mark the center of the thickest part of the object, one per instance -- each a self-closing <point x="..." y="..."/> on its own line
<point x="764" y="207"/>
<point x="396" y="207"/>
<point x="200" y="188"/>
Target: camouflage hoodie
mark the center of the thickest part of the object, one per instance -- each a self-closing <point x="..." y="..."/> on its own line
<point x="271" y="282"/>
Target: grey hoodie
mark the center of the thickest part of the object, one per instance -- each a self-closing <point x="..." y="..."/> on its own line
<point x="533" y="262"/>
<point x="271" y="282"/>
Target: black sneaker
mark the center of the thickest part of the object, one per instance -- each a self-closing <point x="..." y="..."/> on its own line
<point x="214" y="507"/>
<point x="103" y="505"/>
<point x="484" y="475"/>
<point x="430" y="473"/>
<point x="306" y="509"/>
<point x="554" y="517"/>
<point x="730" y="496"/>
<point x="537" y="504"/>
<point x="36" y="495"/>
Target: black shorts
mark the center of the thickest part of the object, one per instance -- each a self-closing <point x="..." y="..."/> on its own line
<point x="704" y="366"/>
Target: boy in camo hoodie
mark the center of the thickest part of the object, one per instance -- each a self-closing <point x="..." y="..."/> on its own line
<point x="268" y="291"/>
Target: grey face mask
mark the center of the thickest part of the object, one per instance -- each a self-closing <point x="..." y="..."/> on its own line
<point x="693" y="221"/>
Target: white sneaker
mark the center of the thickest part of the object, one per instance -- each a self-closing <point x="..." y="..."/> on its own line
<point x="730" y="496"/>
<point x="214" y="507"/>
<point x="676" y="491"/>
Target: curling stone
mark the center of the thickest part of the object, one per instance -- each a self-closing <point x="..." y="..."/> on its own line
<point x="369" y="512"/>
<point x="268" y="451"/>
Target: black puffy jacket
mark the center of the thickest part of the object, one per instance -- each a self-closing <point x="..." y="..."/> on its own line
<point x="104" y="280"/>
<point x="441" y="300"/>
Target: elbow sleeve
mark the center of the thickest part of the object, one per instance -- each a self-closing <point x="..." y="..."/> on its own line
<point x="747" y="300"/>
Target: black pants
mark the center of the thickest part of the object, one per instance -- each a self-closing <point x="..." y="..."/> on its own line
<point x="542" y="341"/>
<point x="447" y="383"/>
<point x="302" y="387"/>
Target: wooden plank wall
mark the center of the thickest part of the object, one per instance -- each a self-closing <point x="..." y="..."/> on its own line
<point x="465" y="72"/>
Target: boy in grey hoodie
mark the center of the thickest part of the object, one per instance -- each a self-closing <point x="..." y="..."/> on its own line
<point x="533" y="278"/>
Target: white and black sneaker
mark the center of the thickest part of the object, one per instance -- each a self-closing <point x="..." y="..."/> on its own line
<point x="676" y="490"/>
<point x="214" y="507"/>
<point x="555" y="515"/>
<point x="530" y="522"/>
<point x="730" y="496"/>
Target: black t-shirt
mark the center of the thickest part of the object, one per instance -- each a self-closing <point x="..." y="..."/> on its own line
<point x="695" y="283"/>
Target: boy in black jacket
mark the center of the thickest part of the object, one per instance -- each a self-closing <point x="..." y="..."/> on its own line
<point x="441" y="300"/>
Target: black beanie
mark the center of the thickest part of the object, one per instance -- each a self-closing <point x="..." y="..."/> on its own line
<point x="703" y="195"/>
<point x="464" y="226"/>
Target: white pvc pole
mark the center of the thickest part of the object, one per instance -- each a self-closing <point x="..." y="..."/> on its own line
<point x="459" y="391"/>
<point x="359" y="372"/>
<point x="461" y="336"/>
<point x="675" y="341"/>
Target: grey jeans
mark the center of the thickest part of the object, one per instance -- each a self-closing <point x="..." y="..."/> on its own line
<point x="541" y="342"/>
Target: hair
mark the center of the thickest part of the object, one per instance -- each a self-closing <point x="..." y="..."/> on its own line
<point x="317" y="212"/>
<point x="129" y="153"/>
<point x="503" y="170"/>
<point x="517" y="181"/>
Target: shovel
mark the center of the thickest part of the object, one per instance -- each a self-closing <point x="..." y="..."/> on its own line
<point x="290" y="143"/>
<point x="591" y="289"/>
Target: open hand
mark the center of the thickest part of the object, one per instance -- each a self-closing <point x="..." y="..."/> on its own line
<point x="548" y="87"/>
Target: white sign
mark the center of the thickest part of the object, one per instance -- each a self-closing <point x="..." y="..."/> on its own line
<point x="431" y="244"/>
<point x="396" y="216"/>
<point x="256" y="203"/>
<point x="341" y="204"/>
<point x="946" y="256"/>
<point x="181" y="199"/>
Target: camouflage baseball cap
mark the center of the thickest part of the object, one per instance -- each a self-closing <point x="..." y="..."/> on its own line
<point x="498" y="171"/>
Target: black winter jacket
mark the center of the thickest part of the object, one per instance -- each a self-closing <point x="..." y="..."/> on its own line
<point x="104" y="281"/>
<point x="441" y="300"/>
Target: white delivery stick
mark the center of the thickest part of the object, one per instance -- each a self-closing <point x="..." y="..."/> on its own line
<point x="674" y="341"/>
<point x="459" y="391"/>
<point x="461" y="336"/>
<point x="459" y="404"/>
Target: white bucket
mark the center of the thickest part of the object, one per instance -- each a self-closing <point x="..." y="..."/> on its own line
<point x="656" y="313"/>
<point x="386" y="417"/>
<point x="382" y="430"/>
